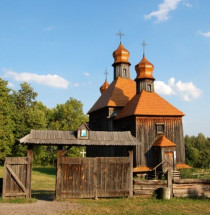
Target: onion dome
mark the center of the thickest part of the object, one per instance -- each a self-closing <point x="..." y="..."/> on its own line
<point x="104" y="87"/>
<point x="144" y="69"/>
<point x="121" y="55"/>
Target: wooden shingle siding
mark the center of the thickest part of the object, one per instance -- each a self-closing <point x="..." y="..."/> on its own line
<point x="94" y="177"/>
<point x="146" y="133"/>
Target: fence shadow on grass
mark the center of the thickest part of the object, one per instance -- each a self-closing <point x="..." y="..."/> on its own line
<point x="45" y="170"/>
<point x="47" y="195"/>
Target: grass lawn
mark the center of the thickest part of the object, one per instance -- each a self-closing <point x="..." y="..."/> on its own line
<point x="142" y="206"/>
<point x="43" y="184"/>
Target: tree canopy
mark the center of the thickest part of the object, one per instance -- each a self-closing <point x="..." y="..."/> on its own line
<point x="20" y="112"/>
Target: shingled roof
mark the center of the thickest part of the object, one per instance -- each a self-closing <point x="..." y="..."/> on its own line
<point x="54" y="137"/>
<point x="119" y="93"/>
<point x="162" y="141"/>
<point x="147" y="103"/>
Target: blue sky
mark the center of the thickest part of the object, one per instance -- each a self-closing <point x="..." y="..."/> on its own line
<point x="62" y="48"/>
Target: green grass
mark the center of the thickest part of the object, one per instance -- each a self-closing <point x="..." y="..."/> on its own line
<point x="43" y="182"/>
<point x="142" y="206"/>
<point x="19" y="200"/>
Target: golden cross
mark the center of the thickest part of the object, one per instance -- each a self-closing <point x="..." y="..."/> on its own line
<point x="120" y="34"/>
<point x="144" y="44"/>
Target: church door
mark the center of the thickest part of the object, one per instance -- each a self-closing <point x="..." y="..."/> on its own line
<point x="169" y="157"/>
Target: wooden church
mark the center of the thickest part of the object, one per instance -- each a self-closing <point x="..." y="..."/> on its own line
<point x="133" y="105"/>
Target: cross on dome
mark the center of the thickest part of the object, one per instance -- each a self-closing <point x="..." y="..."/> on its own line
<point x="106" y="73"/>
<point x="120" y="34"/>
<point x="144" y="45"/>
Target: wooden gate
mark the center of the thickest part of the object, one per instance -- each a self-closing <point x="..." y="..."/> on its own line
<point x="16" y="177"/>
<point x="94" y="177"/>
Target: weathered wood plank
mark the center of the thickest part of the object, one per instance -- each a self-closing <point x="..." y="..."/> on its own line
<point x="150" y="182"/>
<point x="15" y="194"/>
<point x="16" y="178"/>
<point x="59" y="172"/>
<point x="191" y="181"/>
<point x="149" y="187"/>
<point x="29" y="169"/>
<point x="95" y="177"/>
<point x="131" y="173"/>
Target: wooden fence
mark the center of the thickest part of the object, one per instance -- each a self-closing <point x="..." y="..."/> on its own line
<point x="191" y="188"/>
<point x="180" y="187"/>
<point x="146" y="188"/>
<point x="94" y="177"/>
<point x="16" y="177"/>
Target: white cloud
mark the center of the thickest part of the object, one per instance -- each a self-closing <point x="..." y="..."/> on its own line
<point x="163" y="88"/>
<point x="49" y="80"/>
<point x="186" y="90"/>
<point x="163" y="10"/>
<point x="204" y="34"/>
<point x="86" y="74"/>
<point x="50" y="28"/>
<point x="76" y="85"/>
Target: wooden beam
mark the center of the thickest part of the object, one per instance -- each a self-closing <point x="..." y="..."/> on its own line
<point x="16" y="178"/>
<point x="131" y="173"/>
<point x="4" y="180"/>
<point x="15" y="194"/>
<point x="58" y="176"/>
<point x="191" y="181"/>
<point x="29" y="169"/>
<point x="66" y="150"/>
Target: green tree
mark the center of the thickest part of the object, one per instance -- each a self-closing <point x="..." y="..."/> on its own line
<point x="29" y="114"/>
<point x="68" y="117"/>
<point x="6" y="122"/>
<point x="197" y="151"/>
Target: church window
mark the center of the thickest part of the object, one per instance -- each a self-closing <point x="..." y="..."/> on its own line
<point x="124" y="72"/>
<point x="149" y="88"/>
<point x="160" y="128"/>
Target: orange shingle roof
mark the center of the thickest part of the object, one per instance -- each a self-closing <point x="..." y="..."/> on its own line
<point x="162" y="141"/>
<point x="183" y="166"/>
<point x="147" y="103"/>
<point x="142" y="169"/>
<point x="119" y="93"/>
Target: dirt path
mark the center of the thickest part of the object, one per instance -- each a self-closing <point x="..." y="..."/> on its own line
<point x="40" y="207"/>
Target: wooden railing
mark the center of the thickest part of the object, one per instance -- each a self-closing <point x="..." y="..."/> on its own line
<point x="161" y="163"/>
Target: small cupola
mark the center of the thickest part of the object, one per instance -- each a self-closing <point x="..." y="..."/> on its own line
<point x="104" y="87"/>
<point x="121" y="55"/>
<point x="144" y="74"/>
<point x="121" y="62"/>
<point x="144" y="69"/>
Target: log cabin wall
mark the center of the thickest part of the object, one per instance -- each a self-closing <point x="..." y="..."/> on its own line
<point x="129" y="124"/>
<point x="146" y="132"/>
<point x="98" y="120"/>
<point x="103" y="119"/>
